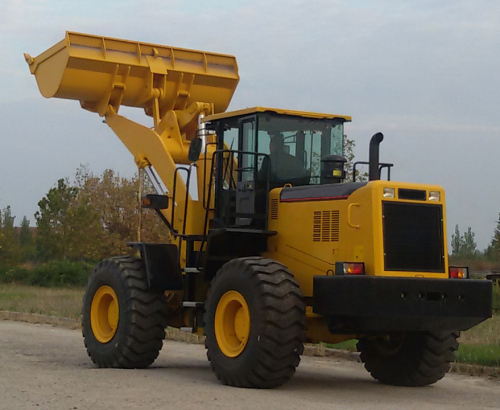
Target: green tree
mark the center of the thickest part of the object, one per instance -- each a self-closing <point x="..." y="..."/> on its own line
<point x="26" y="240"/>
<point x="456" y="243"/>
<point x="349" y="156"/>
<point x="469" y="244"/>
<point x="53" y="221"/>
<point x="463" y="246"/>
<point x="495" y="242"/>
<point x="10" y="252"/>
<point x="493" y="250"/>
<point x="25" y="236"/>
<point x="490" y="253"/>
<point x="94" y="217"/>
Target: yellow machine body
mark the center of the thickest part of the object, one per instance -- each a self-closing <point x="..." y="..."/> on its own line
<point x="345" y="229"/>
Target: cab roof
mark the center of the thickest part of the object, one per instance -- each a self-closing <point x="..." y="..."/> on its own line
<point x="256" y="110"/>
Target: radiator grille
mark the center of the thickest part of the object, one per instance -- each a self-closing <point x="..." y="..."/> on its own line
<point x="413" y="237"/>
<point x="274" y="209"/>
<point x="326" y="226"/>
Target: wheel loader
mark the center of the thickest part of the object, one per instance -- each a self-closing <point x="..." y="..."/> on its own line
<point x="270" y="246"/>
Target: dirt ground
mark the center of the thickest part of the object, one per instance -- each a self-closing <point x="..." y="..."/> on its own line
<point x="46" y="367"/>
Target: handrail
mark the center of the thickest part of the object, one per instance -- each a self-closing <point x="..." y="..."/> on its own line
<point x="381" y="166"/>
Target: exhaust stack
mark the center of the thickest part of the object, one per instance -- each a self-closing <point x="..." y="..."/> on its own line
<point x="373" y="172"/>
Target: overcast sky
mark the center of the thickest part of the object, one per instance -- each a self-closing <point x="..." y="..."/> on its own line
<point x="424" y="73"/>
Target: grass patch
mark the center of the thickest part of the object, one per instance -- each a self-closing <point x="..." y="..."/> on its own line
<point x="484" y="355"/>
<point x="486" y="333"/>
<point x="62" y="302"/>
<point x="347" y="345"/>
<point x="481" y="344"/>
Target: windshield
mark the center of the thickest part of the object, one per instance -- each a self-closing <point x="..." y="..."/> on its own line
<point x="297" y="144"/>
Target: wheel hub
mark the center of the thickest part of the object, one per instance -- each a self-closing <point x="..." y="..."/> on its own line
<point x="232" y="323"/>
<point x="104" y="314"/>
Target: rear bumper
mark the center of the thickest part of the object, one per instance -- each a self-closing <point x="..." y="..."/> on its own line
<point x="376" y="304"/>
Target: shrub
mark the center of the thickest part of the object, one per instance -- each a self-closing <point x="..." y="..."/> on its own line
<point x="61" y="273"/>
<point x="54" y="273"/>
<point x="10" y="274"/>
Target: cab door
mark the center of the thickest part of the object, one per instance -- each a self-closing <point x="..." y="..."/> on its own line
<point x="247" y="172"/>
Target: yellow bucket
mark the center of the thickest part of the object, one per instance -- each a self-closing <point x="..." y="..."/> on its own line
<point x="101" y="71"/>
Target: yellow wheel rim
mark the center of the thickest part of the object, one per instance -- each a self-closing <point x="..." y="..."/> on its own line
<point x="104" y="314"/>
<point x="232" y="323"/>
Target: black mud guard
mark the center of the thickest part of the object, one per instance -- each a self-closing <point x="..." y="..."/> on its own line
<point x="161" y="261"/>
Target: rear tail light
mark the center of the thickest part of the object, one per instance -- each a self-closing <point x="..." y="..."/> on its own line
<point x="459" y="272"/>
<point x="349" y="268"/>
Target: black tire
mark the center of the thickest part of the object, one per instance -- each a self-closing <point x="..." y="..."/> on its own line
<point x="276" y="332"/>
<point x="133" y="337"/>
<point x="409" y="359"/>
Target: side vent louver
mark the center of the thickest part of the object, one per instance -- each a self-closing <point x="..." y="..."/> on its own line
<point x="274" y="209"/>
<point x="326" y="226"/>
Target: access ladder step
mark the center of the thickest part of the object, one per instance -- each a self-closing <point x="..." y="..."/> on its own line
<point x="190" y="304"/>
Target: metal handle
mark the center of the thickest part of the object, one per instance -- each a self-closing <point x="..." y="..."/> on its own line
<point x="349" y="216"/>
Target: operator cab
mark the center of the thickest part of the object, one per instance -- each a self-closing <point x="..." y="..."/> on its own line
<point x="259" y="149"/>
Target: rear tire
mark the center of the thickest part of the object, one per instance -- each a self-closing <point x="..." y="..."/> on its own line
<point x="123" y="321"/>
<point x="254" y="323"/>
<point x="409" y="359"/>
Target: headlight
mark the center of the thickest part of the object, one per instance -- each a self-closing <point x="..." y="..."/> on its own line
<point x="434" y="196"/>
<point x="388" y="193"/>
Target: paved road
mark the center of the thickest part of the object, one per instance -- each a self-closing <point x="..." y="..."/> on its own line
<point x="43" y="367"/>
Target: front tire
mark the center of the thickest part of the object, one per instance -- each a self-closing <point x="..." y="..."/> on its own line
<point x="409" y="359"/>
<point x="254" y="323"/>
<point x="123" y="321"/>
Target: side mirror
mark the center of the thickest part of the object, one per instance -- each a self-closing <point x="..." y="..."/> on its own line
<point x="195" y="149"/>
<point x="154" y="201"/>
